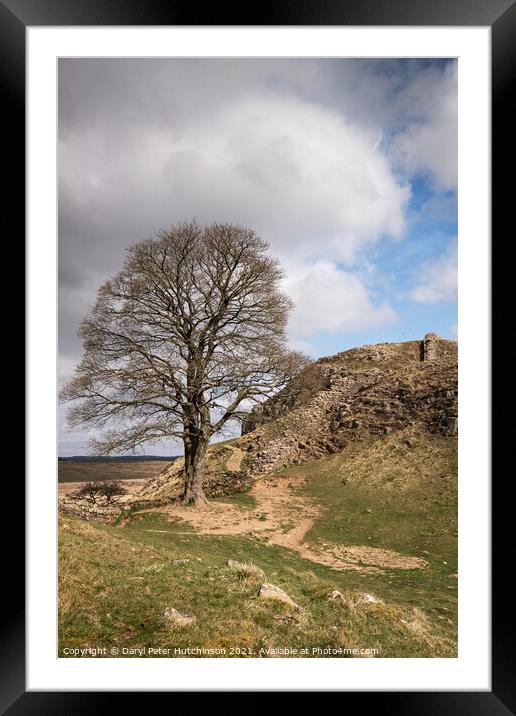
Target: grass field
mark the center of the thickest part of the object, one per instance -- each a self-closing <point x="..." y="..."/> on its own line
<point x="86" y="471"/>
<point x="115" y="581"/>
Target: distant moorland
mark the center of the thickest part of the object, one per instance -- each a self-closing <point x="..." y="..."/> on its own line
<point x="86" y="469"/>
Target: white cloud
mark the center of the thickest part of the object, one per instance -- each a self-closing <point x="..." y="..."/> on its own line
<point x="300" y="174"/>
<point x="312" y="183"/>
<point x="428" y="145"/>
<point x="438" y="278"/>
<point x="328" y="299"/>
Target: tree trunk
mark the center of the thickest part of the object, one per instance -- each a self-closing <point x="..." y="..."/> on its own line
<point x="195" y="452"/>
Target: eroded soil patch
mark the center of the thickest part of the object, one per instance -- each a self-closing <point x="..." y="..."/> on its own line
<point x="283" y="517"/>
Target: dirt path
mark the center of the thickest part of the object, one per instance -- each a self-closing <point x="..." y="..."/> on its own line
<point x="235" y="460"/>
<point x="283" y="517"/>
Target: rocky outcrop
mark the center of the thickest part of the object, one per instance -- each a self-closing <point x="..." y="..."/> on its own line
<point x="373" y="389"/>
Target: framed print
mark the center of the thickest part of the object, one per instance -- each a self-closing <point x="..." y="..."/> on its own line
<point x="259" y="351"/>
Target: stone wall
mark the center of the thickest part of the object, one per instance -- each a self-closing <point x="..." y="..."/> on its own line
<point x="87" y="511"/>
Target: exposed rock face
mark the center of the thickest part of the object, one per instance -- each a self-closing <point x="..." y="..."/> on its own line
<point x="375" y="389"/>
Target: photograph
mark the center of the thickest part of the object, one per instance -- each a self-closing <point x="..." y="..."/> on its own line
<point x="257" y="357"/>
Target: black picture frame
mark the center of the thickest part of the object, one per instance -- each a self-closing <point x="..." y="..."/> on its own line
<point x="500" y="15"/>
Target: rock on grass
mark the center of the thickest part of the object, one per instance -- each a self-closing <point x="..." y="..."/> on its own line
<point x="176" y="618"/>
<point x="270" y="591"/>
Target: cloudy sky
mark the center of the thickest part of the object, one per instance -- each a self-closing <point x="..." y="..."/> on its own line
<point x="347" y="167"/>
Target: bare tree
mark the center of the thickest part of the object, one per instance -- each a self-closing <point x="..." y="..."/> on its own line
<point x="184" y="339"/>
<point x="110" y="491"/>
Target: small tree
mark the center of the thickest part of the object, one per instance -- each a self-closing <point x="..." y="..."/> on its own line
<point x="110" y="491"/>
<point x="184" y="339"/>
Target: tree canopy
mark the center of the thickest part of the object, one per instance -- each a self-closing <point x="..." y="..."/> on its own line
<point x="184" y="339"/>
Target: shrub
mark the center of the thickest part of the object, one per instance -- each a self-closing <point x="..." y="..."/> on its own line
<point x="107" y="491"/>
